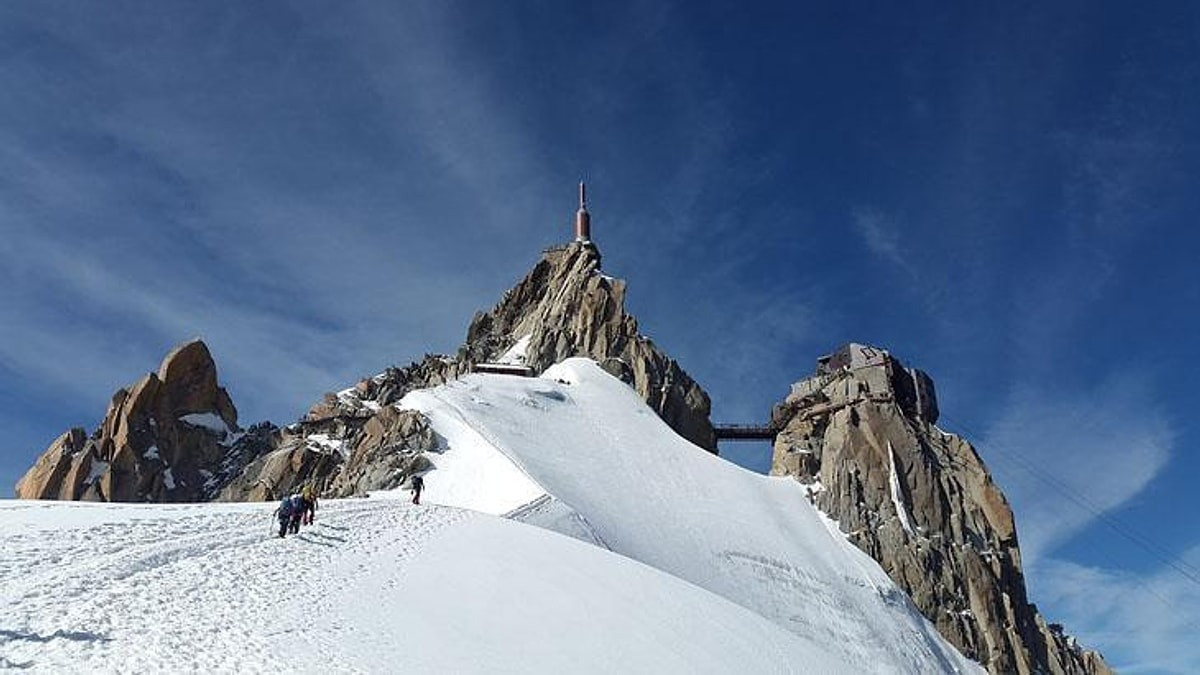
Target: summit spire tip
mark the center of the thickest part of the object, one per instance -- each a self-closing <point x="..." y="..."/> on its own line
<point x="583" y="221"/>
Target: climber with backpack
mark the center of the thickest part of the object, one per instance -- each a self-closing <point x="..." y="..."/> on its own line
<point x="310" y="504"/>
<point x="296" y="513"/>
<point x="417" y="485"/>
<point x="284" y="513"/>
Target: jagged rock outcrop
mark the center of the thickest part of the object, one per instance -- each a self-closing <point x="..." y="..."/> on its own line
<point x="391" y="448"/>
<point x="349" y="409"/>
<point x="565" y="307"/>
<point x="281" y="472"/>
<point x="353" y="441"/>
<point x="340" y="456"/>
<point x="170" y="437"/>
<point x="920" y="501"/>
<point x="60" y="471"/>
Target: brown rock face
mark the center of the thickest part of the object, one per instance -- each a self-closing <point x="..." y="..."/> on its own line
<point x="922" y="503"/>
<point x="281" y="472"/>
<point x="191" y="379"/>
<point x="57" y="471"/>
<point x="353" y="441"/>
<point x="170" y="437"/>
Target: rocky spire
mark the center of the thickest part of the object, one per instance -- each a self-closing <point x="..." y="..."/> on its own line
<point x="171" y="436"/>
<point x="861" y="432"/>
<point x="566" y="307"/>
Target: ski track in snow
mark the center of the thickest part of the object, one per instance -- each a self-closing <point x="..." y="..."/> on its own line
<point x="222" y="581"/>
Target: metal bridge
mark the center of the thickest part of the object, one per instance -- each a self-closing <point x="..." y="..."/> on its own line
<point x="745" y="432"/>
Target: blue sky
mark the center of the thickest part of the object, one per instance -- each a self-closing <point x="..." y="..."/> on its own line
<point x="1002" y="194"/>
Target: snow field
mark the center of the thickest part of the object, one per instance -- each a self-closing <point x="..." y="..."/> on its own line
<point x="205" y="587"/>
<point x="376" y="585"/>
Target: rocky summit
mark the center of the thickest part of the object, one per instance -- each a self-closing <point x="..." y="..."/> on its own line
<point x="355" y="440"/>
<point x="172" y="436"/>
<point x="861" y="432"/>
<point x="566" y="307"/>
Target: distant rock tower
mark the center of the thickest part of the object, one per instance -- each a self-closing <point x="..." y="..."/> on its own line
<point x="583" y="221"/>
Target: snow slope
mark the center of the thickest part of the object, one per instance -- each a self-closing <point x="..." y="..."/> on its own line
<point x="684" y="563"/>
<point x="375" y="585"/>
<point x="593" y="445"/>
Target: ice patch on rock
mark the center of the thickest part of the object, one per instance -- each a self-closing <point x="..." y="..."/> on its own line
<point x="327" y="444"/>
<point x="516" y="354"/>
<point x="99" y="466"/>
<point x="209" y="420"/>
<point x="897" y="497"/>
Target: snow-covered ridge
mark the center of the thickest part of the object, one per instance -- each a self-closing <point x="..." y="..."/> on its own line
<point x="587" y="440"/>
<point x="350" y="397"/>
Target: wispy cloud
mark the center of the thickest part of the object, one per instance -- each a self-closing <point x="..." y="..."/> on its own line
<point x="1051" y="449"/>
<point x="1151" y="620"/>
<point x="302" y="262"/>
<point x="1069" y="460"/>
<point x="882" y="237"/>
<point x="317" y="195"/>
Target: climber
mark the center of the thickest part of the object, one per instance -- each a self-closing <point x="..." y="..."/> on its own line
<point x="310" y="504"/>
<point x="284" y="513"/>
<point x="418" y="484"/>
<point x="296" y="513"/>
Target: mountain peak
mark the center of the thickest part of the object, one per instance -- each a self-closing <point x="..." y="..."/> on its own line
<point x="352" y="441"/>
<point x="186" y="356"/>
<point x="567" y="307"/>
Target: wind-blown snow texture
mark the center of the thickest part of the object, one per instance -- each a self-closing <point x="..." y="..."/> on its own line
<point x="721" y="570"/>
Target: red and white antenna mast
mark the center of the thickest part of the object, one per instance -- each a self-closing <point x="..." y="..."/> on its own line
<point x="583" y="220"/>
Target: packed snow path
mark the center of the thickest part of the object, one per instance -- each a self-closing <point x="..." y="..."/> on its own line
<point x="376" y="585"/>
<point x="195" y="587"/>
